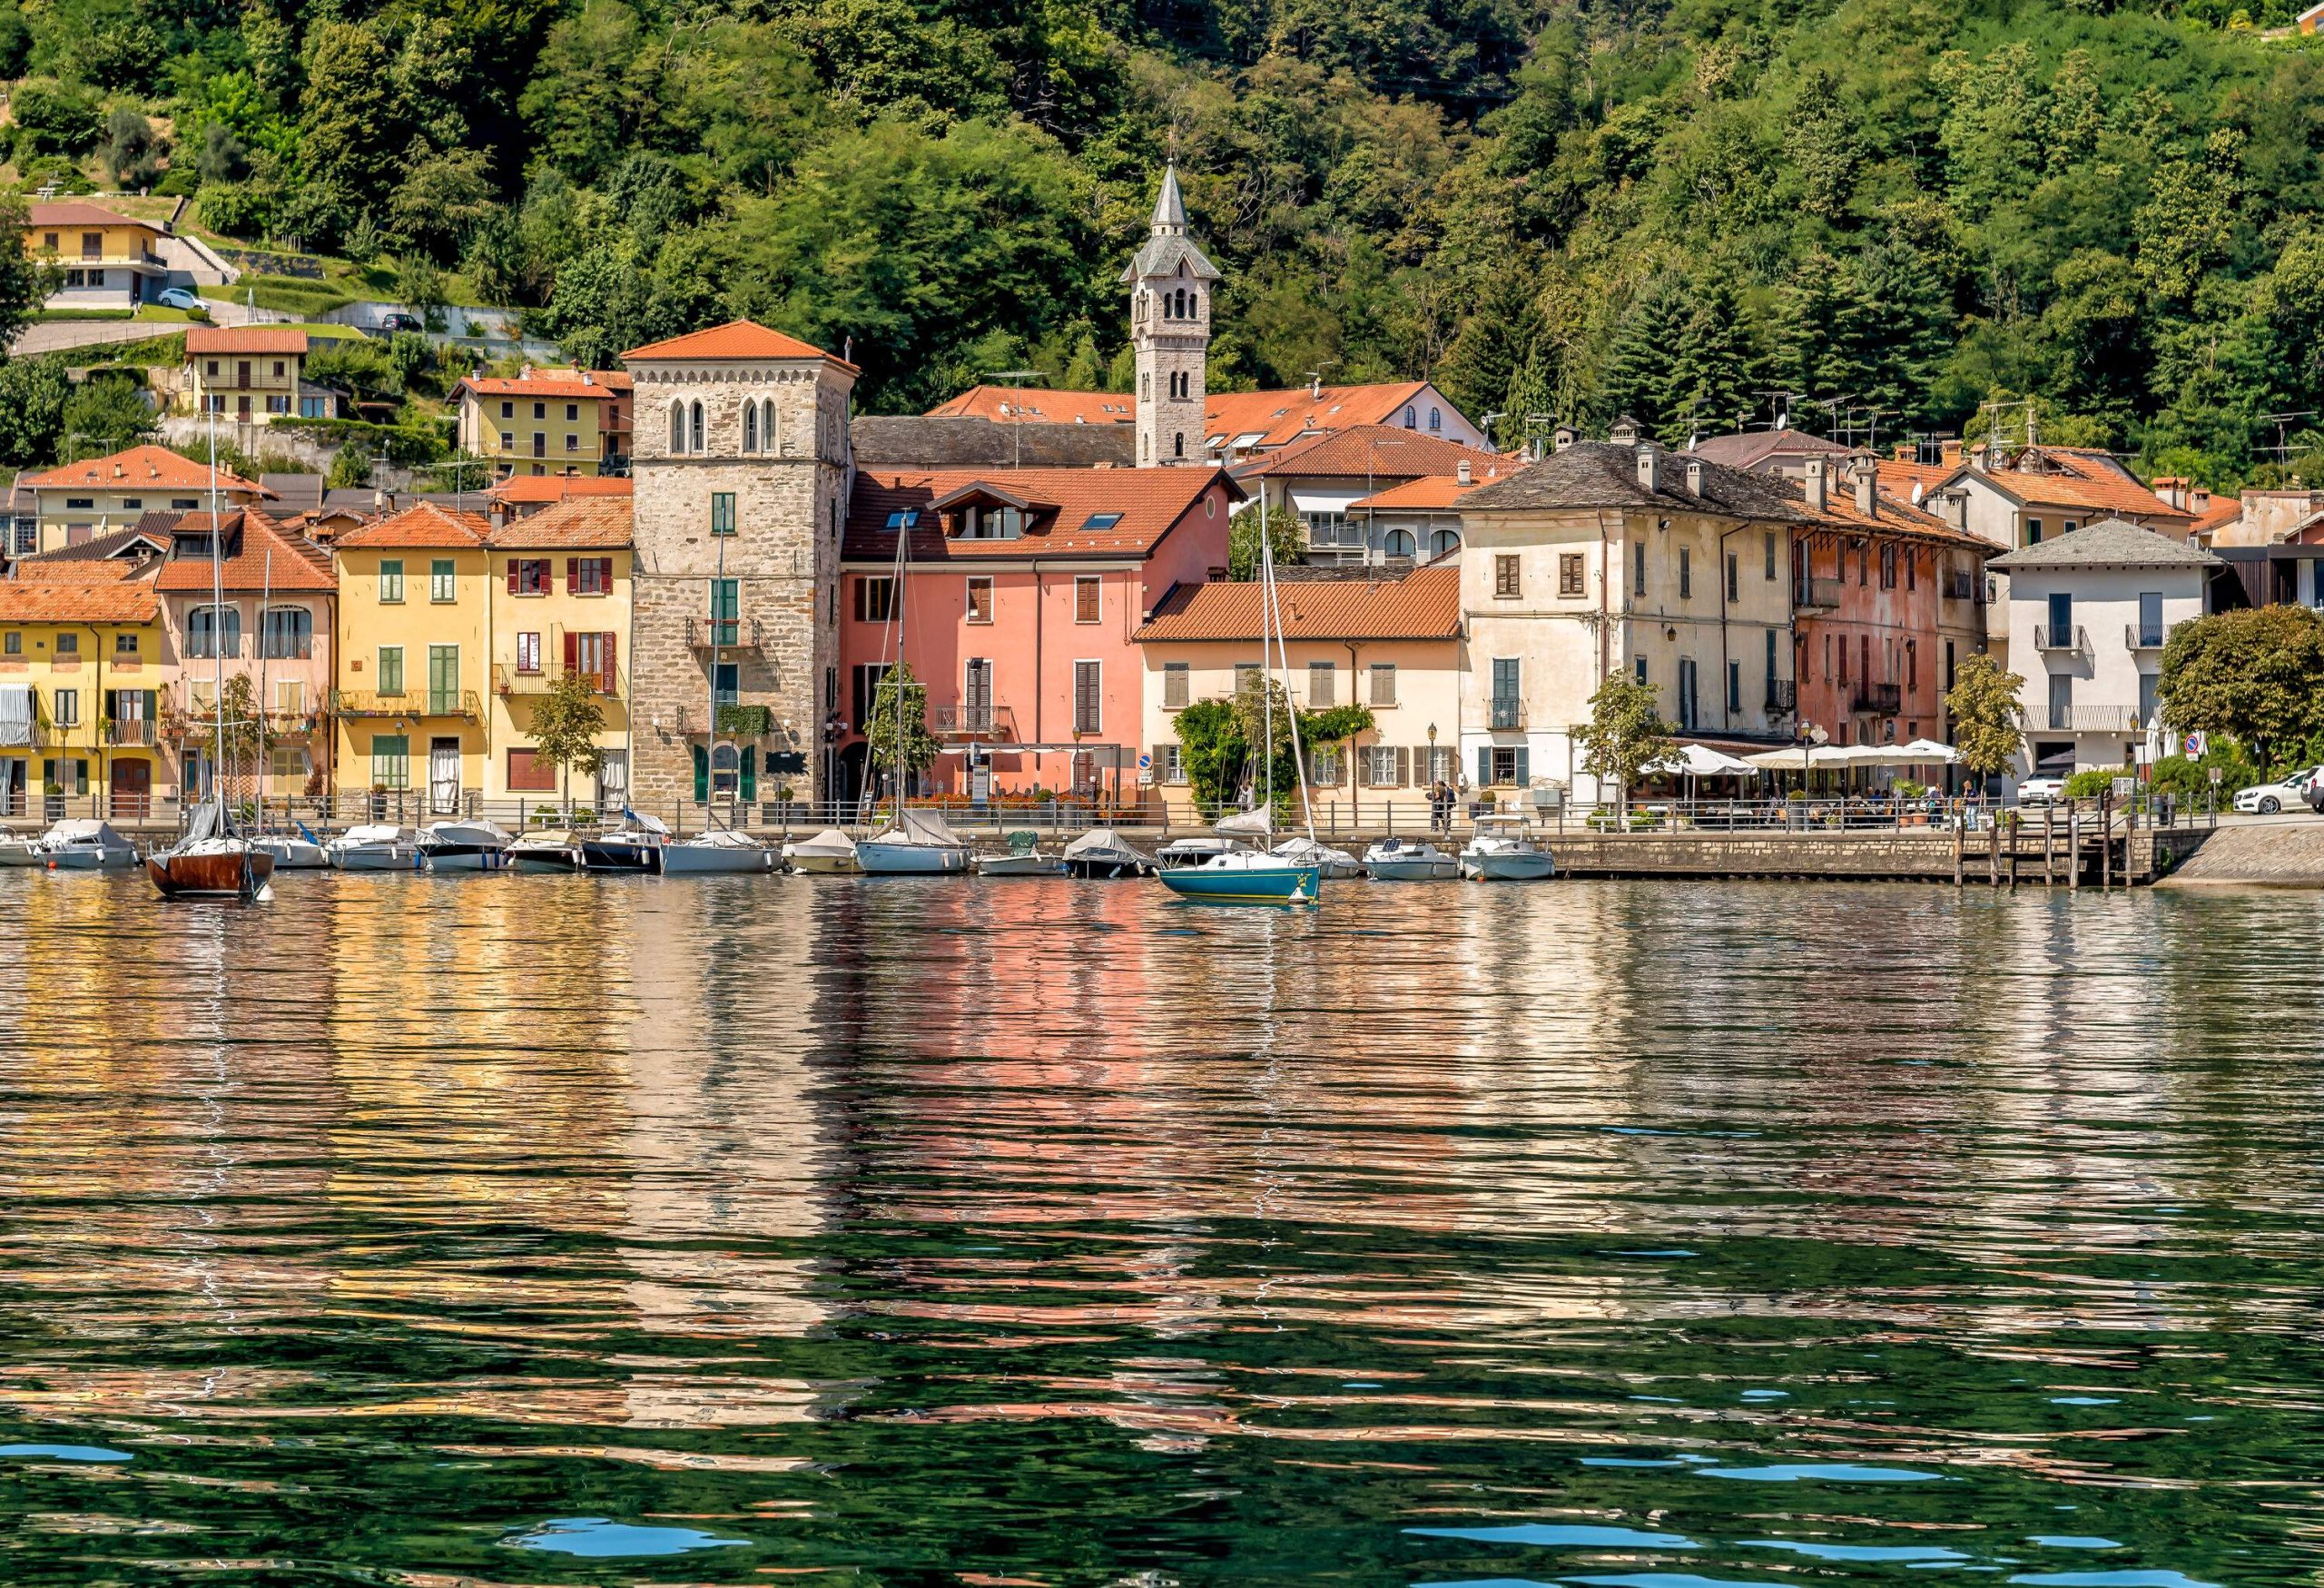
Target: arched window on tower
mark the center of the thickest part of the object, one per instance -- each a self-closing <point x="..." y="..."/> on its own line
<point x="766" y="424"/>
<point x="750" y="427"/>
<point x="693" y="426"/>
<point x="677" y="427"/>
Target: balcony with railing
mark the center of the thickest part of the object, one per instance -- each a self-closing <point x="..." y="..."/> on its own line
<point x="2138" y="636"/>
<point x="2060" y="637"/>
<point x="1505" y="712"/>
<point x="1816" y="595"/>
<point x="2081" y="719"/>
<point x="129" y="733"/>
<point x="996" y="722"/>
<point x="450" y="702"/>
<point x="1882" y="699"/>
<point x="726" y="634"/>
<point x="1783" y="696"/>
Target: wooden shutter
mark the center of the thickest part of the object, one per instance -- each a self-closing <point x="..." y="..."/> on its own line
<point x="701" y="774"/>
<point x="572" y="575"/>
<point x="1403" y="765"/>
<point x="572" y="651"/>
<point x="1524" y="774"/>
<point x="512" y="577"/>
<point x="612" y="670"/>
<point x="152" y="702"/>
<point x="1484" y="766"/>
<point x="750" y="778"/>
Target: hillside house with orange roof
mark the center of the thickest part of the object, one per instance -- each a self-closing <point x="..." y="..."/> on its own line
<point x="79" y="502"/>
<point x="559" y="606"/>
<point x="250" y="374"/>
<point x="546" y="422"/>
<point x="1319" y="482"/>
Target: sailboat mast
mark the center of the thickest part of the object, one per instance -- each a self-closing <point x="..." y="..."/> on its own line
<point x="1273" y="622"/>
<point x="265" y="598"/>
<point x="717" y="657"/>
<point x="217" y="627"/>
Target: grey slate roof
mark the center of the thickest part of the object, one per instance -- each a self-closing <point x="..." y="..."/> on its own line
<point x="913" y="440"/>
<point x="1604" y="474"/>
<point x="97" y="548"/>
<point x="1749" y="449"/>
<point x="1168" y="247"/>
<point x="2109" y="543"/>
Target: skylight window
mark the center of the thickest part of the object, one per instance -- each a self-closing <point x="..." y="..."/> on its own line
<point x="907" y="519"/>
<point x="1101" y="520"/>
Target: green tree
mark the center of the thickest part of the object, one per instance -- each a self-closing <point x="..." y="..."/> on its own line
<point x="898" y="733"/>
<point x="33" y="395"/>
<point x="1637" y="379"/>
<point x="347" y="140"/>
<point x="1984" y="708"/>
<point x="108" y="413"/>
<point x="1214" y="750"/>
<point x="2255" y="675"/>
<point x="1625" y="733"/>
<point x="1284" y="535"/>
<point x="131" y="154"/>
<point x="567" y="721"/>
<point x="24" y="282"/>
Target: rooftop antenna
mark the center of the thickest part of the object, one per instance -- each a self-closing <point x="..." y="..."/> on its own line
<point x="1778" y="406"/>
<point x="2282" y="421"/>
<point x="1017" y="379"/>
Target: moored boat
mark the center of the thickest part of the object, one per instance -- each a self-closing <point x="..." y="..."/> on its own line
<point x="634" y="847"/>
<point x="545" y="848"/>
<point x="22" y="848"/>
<point x="465" y="847"/>
<point x="1333" y="862"/>
<point x="1101" y="852"/>
<point x="294" y="851"/>
<point x="1193" y="850"/>
<point x="1023" y="858"/>
<point x="212" y="861"/>
<point x="87" y="845"/>
<point x="915" y="843"/>
<point x="829" y="853"/>
<point x="721" y="853"/>
<point x="1501" y="850"/>
<point x="1392" y="860"/>
<point x="1246" y="877"/>
<point x="374" y="848"/>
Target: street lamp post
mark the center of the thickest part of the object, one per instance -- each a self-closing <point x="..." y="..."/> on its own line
<point x="1435" y="820"/>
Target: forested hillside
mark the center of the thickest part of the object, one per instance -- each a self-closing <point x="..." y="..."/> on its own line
<point x="1886" y="204"/>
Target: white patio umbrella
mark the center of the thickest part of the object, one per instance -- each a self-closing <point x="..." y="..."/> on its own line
<point x="1702" y="761"/>
<point x="1929" y="753"/>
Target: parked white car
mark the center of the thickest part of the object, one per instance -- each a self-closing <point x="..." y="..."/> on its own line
<point x="2043" y="790"/>
<point x="2267" y="798"/>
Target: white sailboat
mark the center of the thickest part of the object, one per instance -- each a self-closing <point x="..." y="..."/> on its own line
<point x="718" y="852"/>
<point x="1394" y="860"/>
<point x="914" y="843"/>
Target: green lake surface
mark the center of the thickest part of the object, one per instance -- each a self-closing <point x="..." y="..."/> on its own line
<point x="531" y="1230"/>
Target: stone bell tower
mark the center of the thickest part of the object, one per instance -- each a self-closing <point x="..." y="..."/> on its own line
<point x="741" y="469"/>
<point x="1170" y="284"/>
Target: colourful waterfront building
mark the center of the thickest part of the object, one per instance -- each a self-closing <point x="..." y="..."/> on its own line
<point x="546" y="422"/>
<point x="77" y="502"/>
<point x="559" y="605"/>
<point x="80" y="681"/>
<point x="413" y="653"/>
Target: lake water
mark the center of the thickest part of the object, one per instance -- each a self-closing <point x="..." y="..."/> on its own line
<point x="504" y="1230"/>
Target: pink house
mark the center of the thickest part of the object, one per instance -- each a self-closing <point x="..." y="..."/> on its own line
<point x="1022" y="601"/>
<point x="274" y="626"/>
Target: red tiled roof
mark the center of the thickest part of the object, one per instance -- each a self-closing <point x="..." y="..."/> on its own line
<point x="539" y="384"/>
<point x="1898" y="478"/>
<point x="555" y="488"/>
<point x="26" y="601"/>
<point x="95" y="570"/>
<point x="1039" y="405"/>
<point x="737" y="338"/>
<point x="78" y="214"/>
<point x="580" y="523"/>
<point x="1431" y="492"/>
<point x="140" y="468"/>
<point x="265" y="558"/>
<point x="1374" y="452"/>
<point x="1895" y="516"/>
<point x="2111" y="494"/>
<point x="1148" y="501"/>
<point x="1276" y="417"/>
<point x="245" y="339"/>
<point x="424" y="525"/>
<point x="2223" y="510"/>
<point x="1423" y="605"/>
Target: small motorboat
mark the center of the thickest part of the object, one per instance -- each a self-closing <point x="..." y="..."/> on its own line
<point x="1101" y="852"/>
<point x="1023" y="859"/>
<point x="719" y="852"/>
<point x="1247" y="877"/>
<point x="25" y="849"/>
<point x="374" y="848"/>
<point x="84" y="844"/>
<point x="1392" y="860"/>
<point x="545" y="848"/>
<point x="914" y="843"/>
<point x="1501" y="850"/>
<point x="1193" y="851"/>
<point x="299" y="852"/>
<point x="829" y="853"/>
<point x="212" y="861"/>
<point x="634" y="847"/>
<point x="1335" y="863"/>
<point x="469" y="845"/>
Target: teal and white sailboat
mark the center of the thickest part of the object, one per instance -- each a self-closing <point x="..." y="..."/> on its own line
<point x="1255" y="876"/>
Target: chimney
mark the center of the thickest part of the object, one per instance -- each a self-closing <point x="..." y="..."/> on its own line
<point x="588" y="378"/>
<point x="1565" y="436"/>
<point x="499" y="515"/>
<point x="1649" y="467"/>
<point x="1694" y="477"/>
<point x="1867" y="475"/>
<point x="1812" y="483"/>
<point x="1315" y="388"/>
<point x="1461" y="473"/>
<point x="1624" y="432"/>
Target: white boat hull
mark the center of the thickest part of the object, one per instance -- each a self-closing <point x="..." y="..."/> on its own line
<point x="687" y="860"/>
<point x="875" y="859"/>
<point x="1516" y="867"/>
<point x="403" y="857"/>
<point x="1019" y="865"/>
<point x="1435" y="869"/>
<point x="22" y="852"/>
<point x="91" y="860"/>
<point x="294" y="854"/>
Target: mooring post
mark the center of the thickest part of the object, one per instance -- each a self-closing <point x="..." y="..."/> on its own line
<point x="2049" y="834"/>
<point x="1992" y="851"/>
<point x="1959" y="821"/>
<point x="2074" y="849"/>
<point x="2106" y="841"/>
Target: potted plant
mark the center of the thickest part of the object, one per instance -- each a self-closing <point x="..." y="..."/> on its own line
<point x="379" y="802"/>
<point x="51" y="799"/>
<point x="783" y="796"/>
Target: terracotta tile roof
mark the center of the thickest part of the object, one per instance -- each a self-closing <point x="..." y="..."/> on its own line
<point x="261" y="556"/>
<point x="1592" y="474"/>
<point x="97" y="571"/>
<point x="140" y="468"/>
<point x="1038" y="405"/>
<point x="1898" y="478"/>
<point x="1374" y="451"/>
<point x="1895" y="516"/>
<point x="528" y="488"/>
<point x="1423" y="605"/>
<point x="539" y="384"/>
<point x="585" y="523"/>
<point x="737" y="338"/>
<point x="78" y="214"/>
<point x="2115" y="494"/>
<point x="44" y="601"/>
<point x="425" y="525"/>
<point x="2223" y="512"/>
<point x="1066" y="506"/>
<point x="245" y="339"/>
<point x="1434" y="492"/>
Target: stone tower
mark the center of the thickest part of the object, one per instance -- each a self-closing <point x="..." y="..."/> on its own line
<point x="1170" y="283"/>
<point x="741" y="448"/>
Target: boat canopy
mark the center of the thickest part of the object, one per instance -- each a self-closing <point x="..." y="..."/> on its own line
<point x="829" y="841"/>
<point x="1260" y="821"/>
<point x="913" y="826"/>
<point x="81" y="829"/>
<point x="359" y="835"/>
<point x="1097" y="841"/>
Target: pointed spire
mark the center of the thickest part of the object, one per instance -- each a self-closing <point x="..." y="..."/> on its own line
<point x="1169" y="210"/>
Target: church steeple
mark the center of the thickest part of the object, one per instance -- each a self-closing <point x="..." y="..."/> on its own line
<point x="1170" y="284"/>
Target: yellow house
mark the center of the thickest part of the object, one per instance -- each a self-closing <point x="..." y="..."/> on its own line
<point x="414" y="658"/>
<point x="560" y="608"/>
<point x="542" y="422"/>
<point x="1390" y="646"/>
<point x="108" y="261"/>
<point x="80" y="668"/>
<point x="247" y="373"/>
<point x="77" y="502"/>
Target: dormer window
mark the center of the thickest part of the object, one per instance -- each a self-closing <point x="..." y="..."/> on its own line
<point x="999" y="523"/>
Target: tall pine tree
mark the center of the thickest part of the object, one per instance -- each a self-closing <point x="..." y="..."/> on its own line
<point x="1637" y="379"/>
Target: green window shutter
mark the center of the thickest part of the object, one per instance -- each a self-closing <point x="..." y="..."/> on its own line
<point x="152" y="705"/>
<point x="1484" y="766"/>
<point x="701" y="774"/>
<point x="1524" y="775"/>
<point x="750" y="771"/>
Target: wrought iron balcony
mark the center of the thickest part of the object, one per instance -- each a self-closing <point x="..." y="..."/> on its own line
<point x="2138" y="637"/>
<point x="1816" y="595"/>
<point x="1506" y="713"/>
<point x="2060" y="637"/>
<point x="416" y="703"/>
<point x="2083" y="719"/>
<point x="1883" y="699"/>
<point x="726" y="634"/>
<point x="973" y="722"/>
<point x="134" y="731"/>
